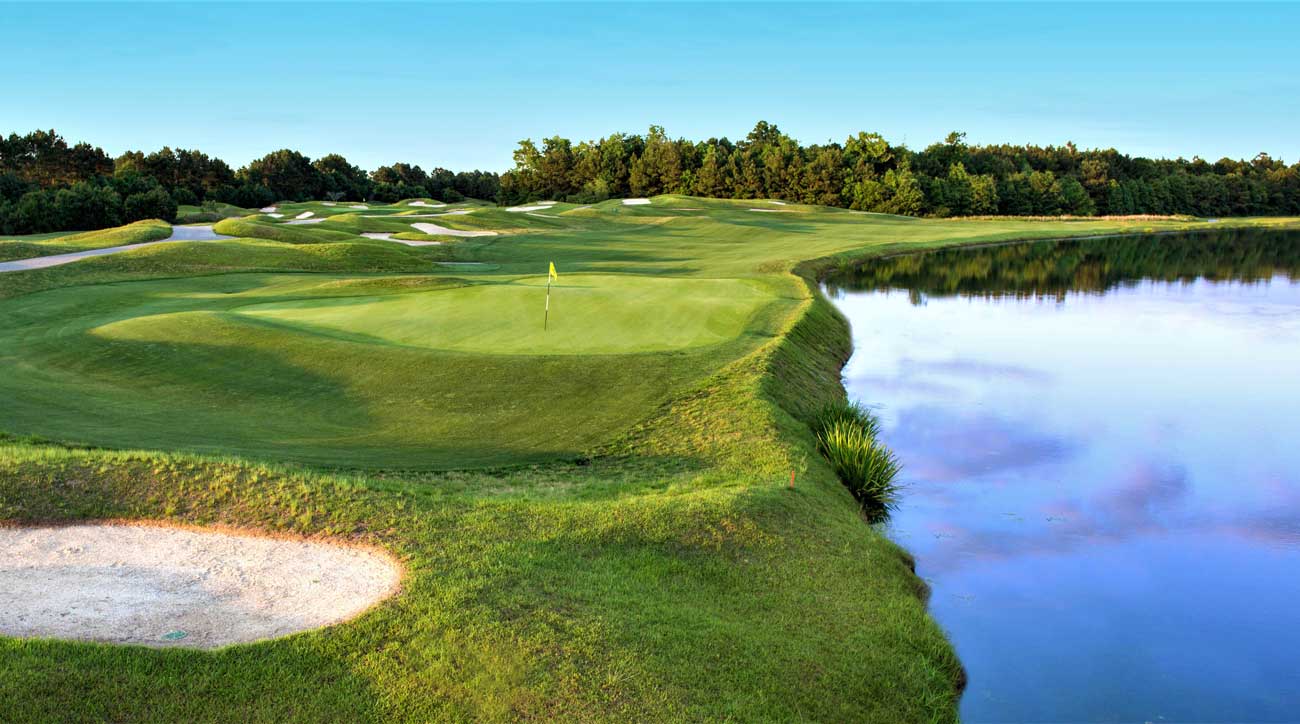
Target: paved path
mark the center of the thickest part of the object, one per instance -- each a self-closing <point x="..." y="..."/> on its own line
<point x="179" y="233"/>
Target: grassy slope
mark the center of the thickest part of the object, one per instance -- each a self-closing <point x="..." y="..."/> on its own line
<point x="671" y="577"/>
<point x="26" y="247"/>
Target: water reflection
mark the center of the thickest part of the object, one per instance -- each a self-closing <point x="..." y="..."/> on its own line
<point x="1098" y="441"/>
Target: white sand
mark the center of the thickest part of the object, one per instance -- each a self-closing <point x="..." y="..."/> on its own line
<point x="434" y="229"/>
<point x="778" y="203"/>
<point x="268" y="209"/>
<point x="179" y="233"/>
<point x="388" y="236"/>
<point x="328" y="203"/>
<point x="458" y="212"/>
<point x="426" y="204"/>
<point x="774" y="211"/>
<point x="636" y="202"/>
<point x="305" y="215"/>
<point x="363" y="207"/>
<point x="163" y="586"/>
<point x="297" y="222"/>
<point x="276" y="216"/>
<point x="534" y="207"/>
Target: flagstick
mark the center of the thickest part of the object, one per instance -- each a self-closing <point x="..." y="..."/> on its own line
<point x="547" y="319"/>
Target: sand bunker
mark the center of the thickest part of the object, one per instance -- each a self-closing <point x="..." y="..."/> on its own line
<point x="457" y="212"/>
<point x="161" y="586"/>
<point x="305" y="215"/>
<point x="363" y="207"/>
<point x="636" y="202"/>
<point x="388" y="236"/>
<point x="774" y="211"/>
<point x="540" y="206"/>
<point x="276" y="216"/>
<point x="328" y="203"/>
<point x="434" y="229"/>
<point x="304" y="221"/>
<point x="778" y="203"/>
<point x="426" y="204"/>
<point x="267" y="209"/>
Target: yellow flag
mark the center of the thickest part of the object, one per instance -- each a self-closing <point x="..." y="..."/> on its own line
<point x="553" y="275"/>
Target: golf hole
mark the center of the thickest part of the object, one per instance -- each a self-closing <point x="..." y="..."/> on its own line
<point x="157" y="585"/>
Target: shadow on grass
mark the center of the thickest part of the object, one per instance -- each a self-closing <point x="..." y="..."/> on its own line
<point x="46" y="680"/>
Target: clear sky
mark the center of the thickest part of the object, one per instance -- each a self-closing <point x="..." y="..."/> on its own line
<point x="459" y="85"/>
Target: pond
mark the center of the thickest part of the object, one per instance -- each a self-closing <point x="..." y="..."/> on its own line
<point x="1100" y="446"/>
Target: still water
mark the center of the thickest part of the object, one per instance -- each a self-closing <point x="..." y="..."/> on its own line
<point x="1101" y="443"/>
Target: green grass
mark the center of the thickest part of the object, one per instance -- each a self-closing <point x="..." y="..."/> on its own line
<point x="255" y="229"/>
<point x="589" y="314"/>
<point x="596" y="520"/>
<point x="847" y="436"/>
<point x="26" y="247"/>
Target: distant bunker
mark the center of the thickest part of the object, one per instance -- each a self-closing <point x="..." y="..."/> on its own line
<point x="155" y="585"/>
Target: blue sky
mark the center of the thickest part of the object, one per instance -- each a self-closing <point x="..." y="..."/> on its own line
<point x="459" y="85"/>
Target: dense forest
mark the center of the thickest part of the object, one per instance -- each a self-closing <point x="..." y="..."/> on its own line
<point x="48" y="185"/>
<point x="868" y="173"/>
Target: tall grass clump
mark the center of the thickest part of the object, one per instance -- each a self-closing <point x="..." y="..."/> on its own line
<point x="846" y="436"/>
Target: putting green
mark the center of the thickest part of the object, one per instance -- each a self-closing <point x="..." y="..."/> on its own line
<point x="415" y="371"/>
<point x="590" y="314"/>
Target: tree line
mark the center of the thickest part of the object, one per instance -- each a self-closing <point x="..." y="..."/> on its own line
<point x="48" y="185"/>
<point x="868" y="173"/>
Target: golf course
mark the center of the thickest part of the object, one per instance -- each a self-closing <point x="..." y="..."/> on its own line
<point x="611" y="508"/>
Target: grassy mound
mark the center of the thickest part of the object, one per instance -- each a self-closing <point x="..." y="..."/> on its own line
<point x="61" y="242"/>
<point x="253" y="229"/>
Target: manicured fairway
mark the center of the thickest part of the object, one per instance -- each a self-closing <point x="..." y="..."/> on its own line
<point x="596" y="520"/>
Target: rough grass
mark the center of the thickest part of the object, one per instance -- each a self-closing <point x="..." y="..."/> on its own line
<point x="628" y="546"/>
<point x="26" y="247"/>
<point x="864" y="465"/>
<point x="253" y="229"/>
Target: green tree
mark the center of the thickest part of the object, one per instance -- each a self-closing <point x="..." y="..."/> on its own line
<point x="287" y="173"/>
<point x="155" y="204"/>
